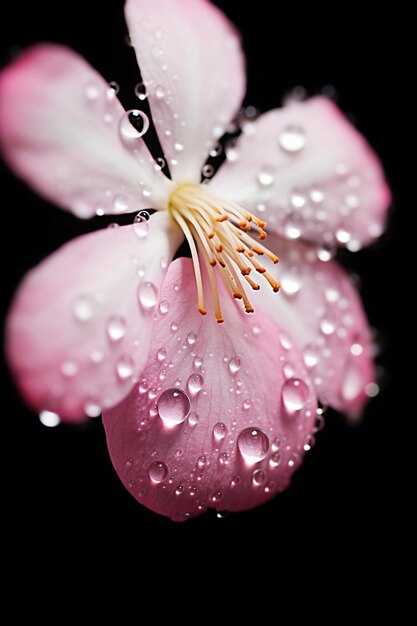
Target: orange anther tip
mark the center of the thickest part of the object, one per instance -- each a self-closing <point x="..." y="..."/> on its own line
<point x="256" y="287"/>
<point x="210" y="235"/>
<point x="246" y="271"/>
<point x="213" y="262"/>
<point x="249" y="309"/>
<point x="240" y="249"/>
<point x="238" y="296"/>
<point x="202" y="311"/>
<point x="219" y="320"/>
<point x="261" y="270"/>
<point x="219" y="248"/>
<point x="275" y="289"/>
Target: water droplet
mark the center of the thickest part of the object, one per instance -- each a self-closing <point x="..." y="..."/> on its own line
<point x="147" y="296"/>
<point x="140" y="227"/>
<point x="83" y="308"/>
<point x="208" y="171"/>
<point x="292" y="139"/>
<point x="256" y="329"/>
<point x="125" y="367"/>
<point x="198" y="362"/>
<point x="356" y="349"/>
<point x="216" y="150"/>
<point x="327" y="326"/>
<point x="276" y="444"/>
<point x="92" y="408"/>
<point x="292" y="229"/>
<point x="246" y="405"/>
<point x="352" y="384"/>
<point x="231" y="151"/>
<point x="275" y="460"/>
<point x="69" y="368"/>
<point x="343" y="236"/>
<point x="164" y="307"/>
<point x="179" y="490"/>
<point x="49" y="418"/>
<point x="158" y="472"/>
<point x="160" y="92"/>
<point x="258" y="477"/>
<point x="160" y="164"/>
<point x="178" y="454"/>
<point x="120" y="203"/>
<point x="178" y="146"/>
<point x="219" y="431"/>
<point x="201" y="462"/>
<point x="266" y="177"/>
<point x="193" y="419"/>
<point x="326" y="253"/>
<point x="316" y="196"/>
<point x="173" y="407"/>
<point x="290" y="284"/>
<point x="191" y="338"/>
<point x="297" y="200"/>
<point x="311" y="355"/>
<point x="195" y="384"/>
<point x="92" y="92"/>
<point x="141" y="91"/>
<point x="285" y="340"/>
<point x="372" y="390"/>
<point x="234" y="365"/>
<point x="224" y="459"/>
<point x="174" y="327"/>
<point x="132" y="126"/>
<point x="295" y="394"/>
<point x="116" y="328"/>
<point x="288" y="370"/>
<point x="112" y="91"/>
<point x="331" y="294"/>
<point x="253" y="445"/>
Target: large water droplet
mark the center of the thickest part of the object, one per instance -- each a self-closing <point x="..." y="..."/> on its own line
<point x="132" y="126"/>
<point x="295" y="395"/>
<point x="125" y="367"/>
<point x="234" y="365"/>
<point x="195" y="384"/>
<point x="292" y="139"/>
<point x="290" y="284"/>
<point x="116" y="328"/>
<point x="253" y="445"/>
<point x="173" y="407"/>
<point x="147" y="296"/>
<point x="158" y="472"/>
<point x="219" y="431"/>
<point x="83" y="308"/>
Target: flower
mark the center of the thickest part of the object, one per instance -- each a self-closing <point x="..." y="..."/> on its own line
<point x="197" y="413"/>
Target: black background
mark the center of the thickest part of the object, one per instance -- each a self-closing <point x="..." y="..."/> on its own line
<point x="64" y="501"/>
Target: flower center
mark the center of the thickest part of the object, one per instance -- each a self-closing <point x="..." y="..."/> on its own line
<point x="218" y="233"/>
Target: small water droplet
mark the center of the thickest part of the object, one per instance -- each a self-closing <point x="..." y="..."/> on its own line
<point x="174" y="327"/>
<point x="141" y="91"/>
<point x="83" y="308"/>
<point x="207" y="171"/>
<point x="352" y="384"/>
<point x="290" y="284"/>
<point x="179" y="454"/>
<point x="191" y="338"/>
<point x="231" y="151"/>
<point x="193" y="419"/>
<point x="292" y="229"/>
<point x="343" y="236"/>
<point x="69" y="368"/>
<point x="256" y="329"/>
<point x="327" y="326"/>
<point x="178" y="146"/>
<point x="266" y="177"/>
<point x="164" y="307"/>
<point x="275" y="460"/>
<point x="234" y="365"/>
<point x="195" y="384"/>
<point x="116" y="328"/>
<point x="198" y="362"/>
<point x="246" y="405"/>
<point x="224" y="459"/>
<point x="295" y="394"/>
<point x="326" y="253"/>
<point x="147" y="296"/>
<point x="179" y="490"/>
<point x="292" y="139"/>
<point x="316" y="196"/>
<point x="120" y="203"/>
<point x="140" y="227"/>
<point x="158" y="472"/>
<point x="285" y="340"/>
<point x="49" y="418"/>
<point x="92" y="408"/>
<point x="92" y="92"/>
<point x="258" y="477"/>
<point x="372" y="390"/>
<point x="133" y="126"/>
<point x="161" y="354"/>
<point x="356" y="349"/>
<point x="253" y="445"/>
<point x="125" y="367"/>
<point x="160" y="164"/>
<point x="311" y="355"/>
<point x="201" y="462"/>
<point x="331" y="294"/>
<point x="173" y="407"/>
<point x="219" y="431"/>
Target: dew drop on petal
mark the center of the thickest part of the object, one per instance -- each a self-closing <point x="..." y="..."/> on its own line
<point x="161" y="355"/>
<point x="258" y="477"/>
<point x="219" y="431"/>
<point x="160" y="92"/>
<point x="266" y="177"/>
<point x="83" y="308"/>
<point x="327" y="326"/>
<point x="92" y="92"/>
<point x="140" y="228"/>
<point x="352" y="384"/>
<point x="253" y="445"/>
<point x="292" y="229"/>
<point x="193" y="419"/>
<point x="92" y="408"/>
<point x="133" y="126"/>
<point x="275" y="460"/>
<point x="125" y="367"/>
<point x="120" y="203"/>
<point x="234" y="365"/>
<point x="295" y="394"/>
<point x="191" y="338"/>
<point x="311" y="355"/>
<point x="195" y="384"/>
<point x="164" y="307"/>
<point x="292" y="139"/>
<point x="173" y="407"/>
<point x="147" y="296"/>
<point x="49" y="418"/>
<point x="158" y="472"/>
<point x="141" y="92"/>
<point x="290" y="284"/>
<point x="116" y="328"/>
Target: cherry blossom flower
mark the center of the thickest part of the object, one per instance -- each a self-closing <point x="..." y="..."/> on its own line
<point x="207" y="377"/>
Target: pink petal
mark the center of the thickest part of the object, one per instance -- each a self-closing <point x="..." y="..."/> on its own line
<point x="59" y="130"/>
<point x="321" y="311"/>
<point x="79" y="327"/>
<point x="192" y="64"/>
<point x="310" y="174"/>
<point x="230" y="380"/>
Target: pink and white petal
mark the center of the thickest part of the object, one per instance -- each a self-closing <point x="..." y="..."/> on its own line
<point x="215" y="422"/>
<point x="321" y="311"/>
<point x="79" y="328"/>
<point x="193" y="66"/>
<point x="59" y="130"/>
<point x="310" y="174"/>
